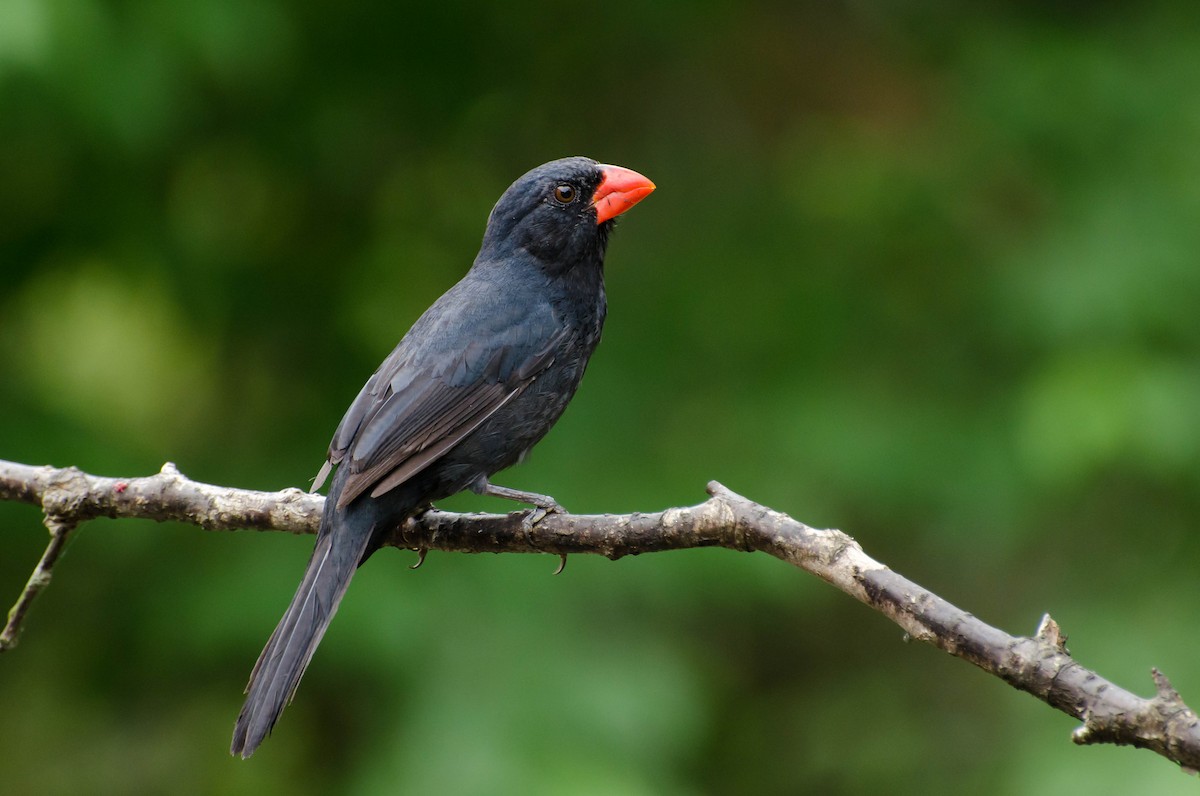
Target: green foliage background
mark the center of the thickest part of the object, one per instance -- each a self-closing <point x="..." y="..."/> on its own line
<point x="926" y="272"/>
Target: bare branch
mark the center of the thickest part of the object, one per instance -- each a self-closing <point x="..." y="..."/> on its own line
<point x="1039" y="664"/>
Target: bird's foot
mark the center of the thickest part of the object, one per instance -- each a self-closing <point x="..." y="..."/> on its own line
<point x="542" y="506"/>
<point x="539" y="511"/>
<point x="535" y="515"/>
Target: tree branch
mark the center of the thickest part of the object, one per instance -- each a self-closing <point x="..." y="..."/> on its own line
<point x="1039" y="664"/>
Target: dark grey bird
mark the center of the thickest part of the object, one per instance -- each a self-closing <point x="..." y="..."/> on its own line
<point x="480" y="377"/>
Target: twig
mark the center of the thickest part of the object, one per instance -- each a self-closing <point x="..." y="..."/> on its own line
<point x="1039" y="664"/>
<point x="40" y="579"/>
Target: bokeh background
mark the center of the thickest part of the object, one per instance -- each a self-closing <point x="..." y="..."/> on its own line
<point x="926" y="272"/>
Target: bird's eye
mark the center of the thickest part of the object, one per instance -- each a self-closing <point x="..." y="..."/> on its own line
<point x="564" y="194"/>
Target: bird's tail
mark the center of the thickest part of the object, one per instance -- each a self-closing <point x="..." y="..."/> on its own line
<point x="340" y="548"/>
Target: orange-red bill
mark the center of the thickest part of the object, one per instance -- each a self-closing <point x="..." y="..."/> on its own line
<point x="620" y="190"/>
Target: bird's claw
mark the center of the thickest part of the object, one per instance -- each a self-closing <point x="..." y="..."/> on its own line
<point x="536" y="514"/>
<point x="421" y="553"/>
<point x="532" y="517"/>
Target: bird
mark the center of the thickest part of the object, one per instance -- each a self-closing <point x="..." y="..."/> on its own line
<point x="480" y="378"/>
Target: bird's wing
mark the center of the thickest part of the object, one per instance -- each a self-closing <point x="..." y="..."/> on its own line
<point x="415" y="408"/>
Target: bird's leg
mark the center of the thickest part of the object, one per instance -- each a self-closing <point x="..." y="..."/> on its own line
<point x="543" y="505"/>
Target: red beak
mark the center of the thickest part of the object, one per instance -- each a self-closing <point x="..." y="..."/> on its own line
<point x="620" y="190"/>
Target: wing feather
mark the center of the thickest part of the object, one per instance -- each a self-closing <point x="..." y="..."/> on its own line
<point x="416" y="408"/>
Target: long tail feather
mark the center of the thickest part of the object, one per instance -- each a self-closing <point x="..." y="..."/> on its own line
<point x="338" y="552"/>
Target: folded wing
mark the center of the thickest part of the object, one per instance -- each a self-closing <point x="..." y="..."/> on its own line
<point x="420" y="404"/>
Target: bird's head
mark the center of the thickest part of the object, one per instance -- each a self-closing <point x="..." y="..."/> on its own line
<point x="562" y="211"/>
